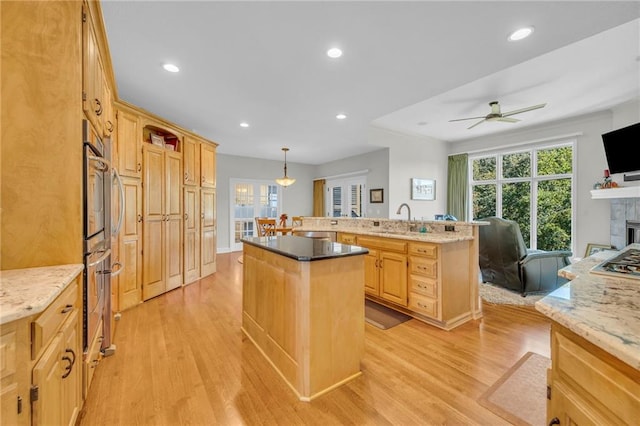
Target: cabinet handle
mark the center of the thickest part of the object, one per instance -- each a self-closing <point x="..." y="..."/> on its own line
<point x="66" y="309"/>
<point x="422" y="268"/>
<point x="97" y="106"/>
<point x="71" y="362"/>
<point x="202" y="216"/>
<point x="139" y="167"/>
<point x="139" y="218"/>
<point x="203" y="179"/>
<point x="186" y="216"/>
<point x="186" y="176"/>
<point x="380" y="263"/>
<point x="554" y="421"/>
<point x="109" y="126"/>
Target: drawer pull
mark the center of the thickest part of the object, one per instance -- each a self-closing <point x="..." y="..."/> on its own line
<point x="66" y="309"/>
<point x="422" y="268"/>
<point x="71" y="362"/>
<point x="554" y="421"/>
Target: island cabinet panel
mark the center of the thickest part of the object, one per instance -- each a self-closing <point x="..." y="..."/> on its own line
<point x="589" y="386"/>
<point x="307" y="318"/>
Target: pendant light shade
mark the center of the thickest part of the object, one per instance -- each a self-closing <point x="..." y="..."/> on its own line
<point x="286" y="180"/>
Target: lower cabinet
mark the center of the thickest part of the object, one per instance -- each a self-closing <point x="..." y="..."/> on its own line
<point x="587" y="385"/>
<point x="191" y="233"/>
<point x="385" y="273"/>
<point x="429" y="281"/>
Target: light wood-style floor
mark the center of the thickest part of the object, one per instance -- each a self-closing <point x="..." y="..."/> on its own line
<point x="181" y="359"/>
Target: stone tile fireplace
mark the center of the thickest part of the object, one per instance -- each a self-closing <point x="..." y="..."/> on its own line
<point x="625" y="221"/>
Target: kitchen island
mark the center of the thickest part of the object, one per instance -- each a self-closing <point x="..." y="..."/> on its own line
<point x="303" y="308"/>
<point x="595" y="346"/>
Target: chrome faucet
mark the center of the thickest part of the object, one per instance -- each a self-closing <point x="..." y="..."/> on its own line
<point x="408" y="210"/>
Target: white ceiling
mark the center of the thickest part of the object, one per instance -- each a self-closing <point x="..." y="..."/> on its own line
<point x="404" y="63"/>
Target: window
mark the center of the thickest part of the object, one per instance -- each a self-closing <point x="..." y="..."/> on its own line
<point x="345" y="197"/>
<point x="250" y="199"/>
<point x="531" y="186"/>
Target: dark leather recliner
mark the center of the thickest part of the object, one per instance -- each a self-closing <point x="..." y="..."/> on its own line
<point x="506" y="261"/>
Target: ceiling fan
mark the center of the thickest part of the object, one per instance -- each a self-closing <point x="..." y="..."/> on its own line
<point x="496" y="115"/>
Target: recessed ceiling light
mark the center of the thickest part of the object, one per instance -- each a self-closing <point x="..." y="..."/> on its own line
<point x="171" y="68"/>
<point x="521" y="33"/>
<point x="334" y="52"/>
<point x="341" y="116"/>
<point x="244" y="124"/>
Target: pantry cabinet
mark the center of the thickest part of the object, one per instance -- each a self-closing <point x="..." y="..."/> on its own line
<point x="207" y="165"/>
<point x="191" y="234"/>
<point x="191" y="161"/>
<point x="208" y="231"/>
<point x="162" y="245"/>
<point x="130" y="245"/>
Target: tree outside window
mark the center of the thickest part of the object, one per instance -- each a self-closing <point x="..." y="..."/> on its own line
<point x="532" y="187"/>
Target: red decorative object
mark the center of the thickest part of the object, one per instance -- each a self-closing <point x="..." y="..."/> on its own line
<point x="283" y="220"/>
<point x="606" y="173"/>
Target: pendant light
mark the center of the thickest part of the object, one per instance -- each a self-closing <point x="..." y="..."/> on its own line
<point x="286" y="180"/>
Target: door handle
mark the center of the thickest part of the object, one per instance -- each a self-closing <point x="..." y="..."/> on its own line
<point x="71" y="362"/>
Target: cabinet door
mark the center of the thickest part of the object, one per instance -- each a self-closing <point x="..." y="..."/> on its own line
<point x="129" y="149"/>
<point x="191" y="161"/>
<point x="92" y="77"/>
<point x="393" y="277"/>
<point x="47" y="376"/>
<point x="130" y="279"/>
<point x="71" y="356"/>
<point x="191" y="234"/>
<point x="371" y="274"/>
<point x="153" y="259"/>
<point x="173" y="219"/>
<point x="207" y="232"/>
<point x="207" y="166"/>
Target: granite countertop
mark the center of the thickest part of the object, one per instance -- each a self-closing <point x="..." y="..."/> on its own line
<point x="604" y="310"/>
<point x="305" y="249"/>
<point x="428" y="237"/>
<point x="26" y="292"/>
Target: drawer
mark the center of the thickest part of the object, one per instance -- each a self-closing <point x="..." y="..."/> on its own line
<point x="92" y="359"/>
<point x="423" y="266"/>
<point x="424" y="286"/>
<point x="423" y="305"/>
<point x="598" y="378"/>
<point x="7" y="351"/>
<point x="48" y="323"/>
<point x="422" y="249"/>
<point x="387" y="244"/>
<point x="347" y="238"/>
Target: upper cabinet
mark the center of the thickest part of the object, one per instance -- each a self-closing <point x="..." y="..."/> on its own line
<point x="129" y="148"/>
<point x="207" y="165"/>
<point x="191" y="161"/>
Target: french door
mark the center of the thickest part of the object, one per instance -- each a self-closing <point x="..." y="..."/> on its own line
<point x="345" y="197"/>
<point x="250" y="199"/>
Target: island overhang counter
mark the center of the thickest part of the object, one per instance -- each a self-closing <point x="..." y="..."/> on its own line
<point x="303" y="308"/>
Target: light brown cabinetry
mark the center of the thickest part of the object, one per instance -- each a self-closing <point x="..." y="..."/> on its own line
<point x="385" y="268"/>
<point x="162" y="259"/>
<point x="424" y="288"/>
<point x="191" y="160"/>
<point x="129" y="144"/>
<point x="191" y="233"/>
<point x="14" y="390"/>
<point x="130" y="245"/>
<point x="587" y="385"/>
<point x="207" y="165"/>
<point x="56" y="348"/>
<point x="93" y="75"/>
<point x="346" y="238"/>
<point x="208" y="231"/>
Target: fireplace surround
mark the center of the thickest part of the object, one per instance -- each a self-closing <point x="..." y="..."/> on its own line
<point x="625" y="221"/>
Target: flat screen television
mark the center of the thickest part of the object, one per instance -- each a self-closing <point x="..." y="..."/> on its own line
<point x="620" y="146"/>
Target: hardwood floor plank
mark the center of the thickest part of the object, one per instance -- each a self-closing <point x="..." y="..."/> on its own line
<point x="182" y="359"/>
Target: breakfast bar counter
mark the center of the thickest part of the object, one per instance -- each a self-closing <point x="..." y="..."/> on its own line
<point x="303" y="308"/>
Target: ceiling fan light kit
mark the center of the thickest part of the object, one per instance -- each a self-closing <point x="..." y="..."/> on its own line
<point x="496" y="115"/>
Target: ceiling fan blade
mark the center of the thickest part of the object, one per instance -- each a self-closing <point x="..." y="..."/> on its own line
<point x="507" y="119"/>
<point x="518" y="111"/>
<point x="470" y="118"/>
<point x="474" y="125"/>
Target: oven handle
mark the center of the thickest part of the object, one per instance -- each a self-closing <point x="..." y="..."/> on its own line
<point x="115" y="231"/>
<point x="105" y="253"/>
<point x="104" y="163"/>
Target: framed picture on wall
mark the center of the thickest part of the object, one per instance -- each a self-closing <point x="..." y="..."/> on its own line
<point x="423" y="189"/>
<point x="376" y="195"/>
